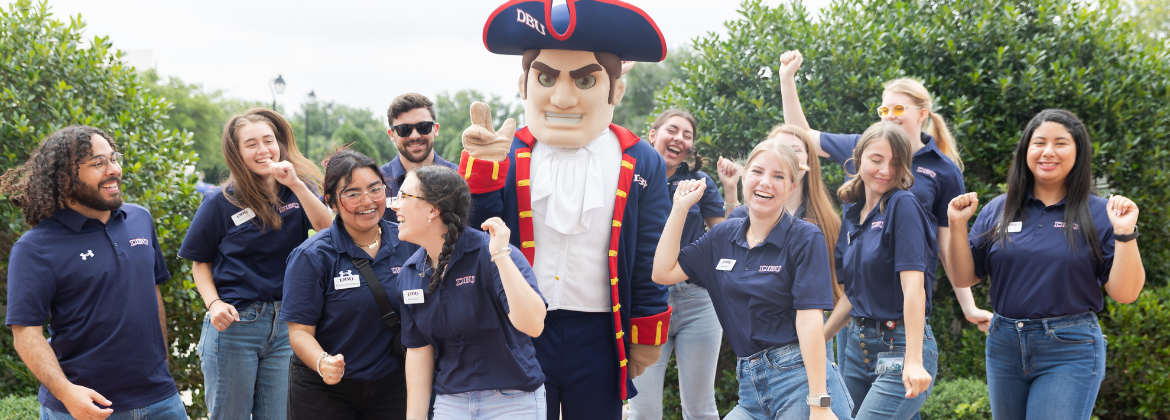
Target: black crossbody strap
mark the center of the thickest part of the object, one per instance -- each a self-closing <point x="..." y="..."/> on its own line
<point x="388" y="315"/>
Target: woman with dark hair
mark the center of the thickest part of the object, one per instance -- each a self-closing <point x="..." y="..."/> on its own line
<point x="695" y="334"/>
<point x="768" y="275"/>
<point x="1051" y="243"/>
<point x="470" y="307"/>
<point x="885" y="259"/>
<point x="239" y="241"/>
<point x="349" y="364"/>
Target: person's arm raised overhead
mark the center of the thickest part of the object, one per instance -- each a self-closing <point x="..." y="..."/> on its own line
<point x="793" y="113"/>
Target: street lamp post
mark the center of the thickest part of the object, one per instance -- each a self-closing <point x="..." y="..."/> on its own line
<point x="277" y="87"/>
<point x="310" y="101"/>
<point x="328" y="111"/>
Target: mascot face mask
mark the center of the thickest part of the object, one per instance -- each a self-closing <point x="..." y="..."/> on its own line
<point x="567" y="96"/>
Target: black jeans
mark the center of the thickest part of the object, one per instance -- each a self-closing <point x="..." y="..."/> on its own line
<point x="310" y="398"/>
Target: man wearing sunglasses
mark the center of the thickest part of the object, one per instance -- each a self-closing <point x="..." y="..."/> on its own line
<point x="91" y="265"/>
<point x="413" y="129"/>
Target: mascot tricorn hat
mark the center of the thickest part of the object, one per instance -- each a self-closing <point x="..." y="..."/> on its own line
<point x="582" y="25"/>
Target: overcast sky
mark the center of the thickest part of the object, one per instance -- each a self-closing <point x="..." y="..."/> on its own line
<point x="354" y="52"/>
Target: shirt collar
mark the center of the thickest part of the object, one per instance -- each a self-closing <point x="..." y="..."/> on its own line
<point x="74" y="220"/>
<point x="1032" y="199"/>
<point x="683" y="171"/>
<point x="398" y="172"/>
<point x="778" y="236"/>
<point x="344" y="244"/>
<point x="854" y="211"/>
<point x="468" y="241"/>
<point x="928" y="145"/>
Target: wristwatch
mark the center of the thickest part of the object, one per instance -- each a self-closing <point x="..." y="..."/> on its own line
<point x="1127" y="237"/>
<point x="818" y="400"/>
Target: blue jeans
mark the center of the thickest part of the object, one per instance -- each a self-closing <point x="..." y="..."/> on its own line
<point x="773" y="385"/>
<point x="695" y="336"/>
<point x="884" y="396"/>
<point x="1045" y="368"/>
<point x="169" y="409"/>
<point x="245" y="367"/>
<point x="492" y="404"/>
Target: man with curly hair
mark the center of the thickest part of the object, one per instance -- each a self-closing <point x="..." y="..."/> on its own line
<point x="91" y="265"/>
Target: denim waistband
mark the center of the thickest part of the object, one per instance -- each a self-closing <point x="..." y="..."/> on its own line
<point x="1045" y="323"/>
<point x="776" y="351"/>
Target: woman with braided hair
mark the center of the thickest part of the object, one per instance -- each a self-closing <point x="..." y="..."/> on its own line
<point x="470" y="307"/>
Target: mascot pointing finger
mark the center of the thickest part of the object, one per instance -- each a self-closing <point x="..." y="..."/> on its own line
<point x="585" y="199"/>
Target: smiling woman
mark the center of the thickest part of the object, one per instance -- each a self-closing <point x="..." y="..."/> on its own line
<point x="239" y="241"/>
<point x="349" y="362"/>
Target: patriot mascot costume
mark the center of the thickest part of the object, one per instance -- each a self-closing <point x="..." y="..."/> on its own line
<point x="585" y="199"/>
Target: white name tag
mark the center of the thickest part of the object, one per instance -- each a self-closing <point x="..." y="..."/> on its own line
<point x="243" y="216"/>
<point x="345" y="282"/>
<point x="412" y="296"/>
<point x="725" y="264"/>
<point x="1015" y="227"/>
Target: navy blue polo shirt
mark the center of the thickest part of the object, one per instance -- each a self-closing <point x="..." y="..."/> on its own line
<point x="871" y="253"/>
<point x="756" y="292"/>
<point x="247" y="263"/>
<point x="466" y="320"/>
<point x="395" y="174"/>
<point x="710" y="205"/>
<point x="348" y="319"/>
<point x="1036" y="273"/>
<point x="742" y="212"/>
<point x="95" y="285"/>
<point x="937" y="179"/>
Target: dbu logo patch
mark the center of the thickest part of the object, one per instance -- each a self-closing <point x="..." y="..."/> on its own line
<point x="877" y="224"/>
<point x="770" y="268"/>
<point x="139" y="241"/>
<point x="1061" y="225"/>
<point x="465" y="280"/>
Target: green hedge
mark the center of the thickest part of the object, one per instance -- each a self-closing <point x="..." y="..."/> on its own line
<point x="50" y="78"/>
<point x="991" y="65"/>
<point x="1137" y="367"/>
<point x="15" y="407"/>
<point x="959" y="399"/>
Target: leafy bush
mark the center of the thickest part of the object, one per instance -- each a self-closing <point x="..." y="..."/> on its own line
<point x="1137" y="363"/>
<point x="14" y="407"/>
<point x="49" y="79"/>
<point x="991" y="65"/>
<point x="959" y="399"/>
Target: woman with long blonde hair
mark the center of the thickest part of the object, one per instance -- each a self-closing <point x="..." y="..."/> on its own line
<point x="812" y="203"/>
<point x="936" y="164"/>
<point x="238" y="242"/>
<point x="768" y="276"/>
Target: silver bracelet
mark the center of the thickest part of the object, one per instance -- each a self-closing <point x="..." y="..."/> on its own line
<point x="319" y="358"/>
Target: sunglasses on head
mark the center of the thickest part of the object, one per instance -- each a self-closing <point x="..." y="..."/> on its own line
<point x="404" y="130"/>
<point x="898" y="110"/>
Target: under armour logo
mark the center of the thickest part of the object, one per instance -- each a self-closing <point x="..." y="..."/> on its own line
<point x="345" y="273"/>
<point x="89" y="253"/>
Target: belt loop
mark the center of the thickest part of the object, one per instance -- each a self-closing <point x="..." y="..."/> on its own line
<point x="1045" y="323"/>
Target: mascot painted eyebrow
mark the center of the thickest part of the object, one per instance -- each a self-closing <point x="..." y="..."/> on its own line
<point x="585" y="199"/>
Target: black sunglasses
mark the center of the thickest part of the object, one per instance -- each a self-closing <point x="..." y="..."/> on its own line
<point x="404" y="130"/>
